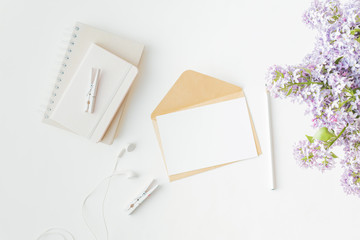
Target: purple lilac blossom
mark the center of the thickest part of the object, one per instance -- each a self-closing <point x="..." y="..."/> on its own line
<point x="313" y="154"/>
<point x="328" y="82"/>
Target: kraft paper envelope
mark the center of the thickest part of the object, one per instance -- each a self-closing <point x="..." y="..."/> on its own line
<point x="193" y="90"/>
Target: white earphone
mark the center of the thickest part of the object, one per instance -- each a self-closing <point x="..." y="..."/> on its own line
<point x="66" y="235"/>
<point x="128" y="148"/>
<point x="127" y="173"/>
<point x="60" y="232"/>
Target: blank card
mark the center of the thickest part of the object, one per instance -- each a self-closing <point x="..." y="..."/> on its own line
<point x="206" y="136"/>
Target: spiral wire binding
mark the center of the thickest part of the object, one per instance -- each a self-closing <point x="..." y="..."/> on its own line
<point x="62" y="70"/>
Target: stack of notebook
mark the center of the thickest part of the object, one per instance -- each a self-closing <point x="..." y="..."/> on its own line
<point x="117" y="58"/>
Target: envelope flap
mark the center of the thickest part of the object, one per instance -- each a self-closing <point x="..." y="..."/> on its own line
<point x="193" y="88"/>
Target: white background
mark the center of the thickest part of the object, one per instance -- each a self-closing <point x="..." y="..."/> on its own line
<point x="45" y="173"/>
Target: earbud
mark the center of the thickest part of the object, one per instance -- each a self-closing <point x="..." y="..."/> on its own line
<point x="131" y="174"/>
<point x="128" y="148"/>
<point x="127" y="173"/>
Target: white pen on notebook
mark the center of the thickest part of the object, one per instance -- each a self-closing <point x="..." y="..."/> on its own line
<point x="91" y="96"/>
<point x="141" y="197"/>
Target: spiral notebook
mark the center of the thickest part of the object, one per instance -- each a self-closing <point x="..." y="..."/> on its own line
<point x="81" y="38"/>
<point x="116" y="77"/>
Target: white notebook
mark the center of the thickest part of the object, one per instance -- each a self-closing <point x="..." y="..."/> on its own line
<point x="206" y="136"/>
<point x="81" y="38"/>
<point x="116" y="77"/>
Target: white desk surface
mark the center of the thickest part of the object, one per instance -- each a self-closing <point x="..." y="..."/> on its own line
<point x="45" y="173"/>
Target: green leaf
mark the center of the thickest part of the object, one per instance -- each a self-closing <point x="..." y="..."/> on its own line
<point x="323" y="134"/>
<point x="311" y="139"/>
<point x="277" y="76"/>
<point x="290" y="91"/>
<point x="357" y="181"/>
<point x="307" y="70"/>
<point x="333" y="155"/>
<point x="354" y="31"/>
<point x="345" y="102"/>
<point x="350" y="91"/>
<point x="335" y="9"/>
<point x="338" y="60"/>
<point x="323" y="70"/>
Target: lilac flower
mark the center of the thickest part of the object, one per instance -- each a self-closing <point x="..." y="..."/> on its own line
<point x="303" y="154"/>
<point x="314" y="154"/>
<point x="328" y="82"/>
<point x="350" y="179"/>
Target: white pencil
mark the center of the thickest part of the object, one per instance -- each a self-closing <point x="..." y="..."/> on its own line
<point x="272" y="167"/>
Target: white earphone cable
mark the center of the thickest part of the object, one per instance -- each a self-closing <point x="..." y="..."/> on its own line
<point x="66" y="235"/>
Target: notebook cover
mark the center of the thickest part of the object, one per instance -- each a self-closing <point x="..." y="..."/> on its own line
<point x="82" y="36"/>
<point x="116" y="77"/>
